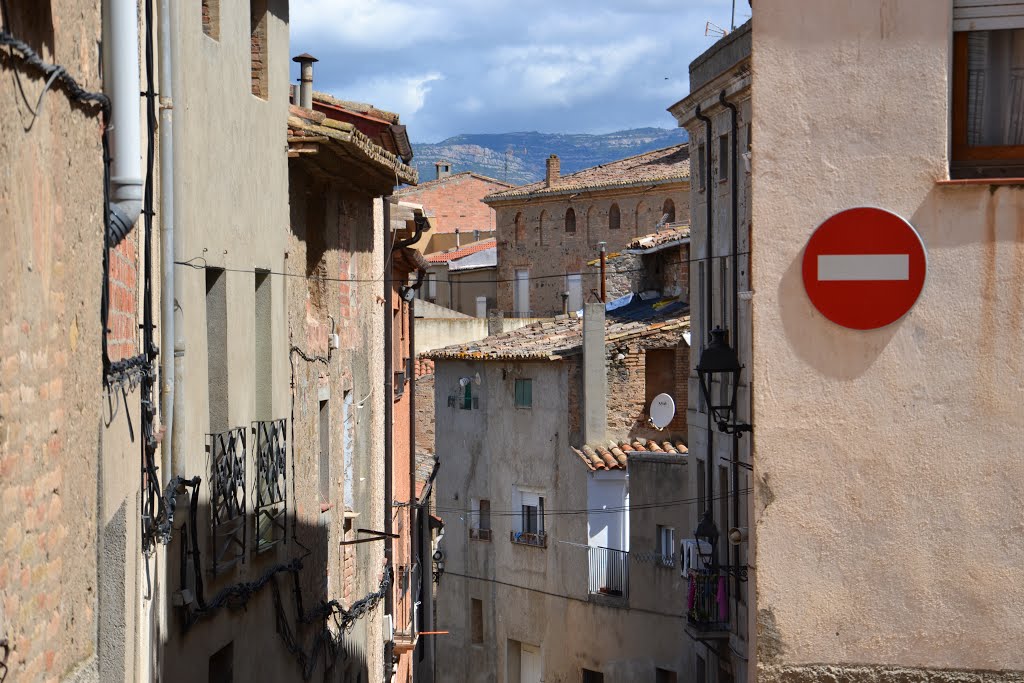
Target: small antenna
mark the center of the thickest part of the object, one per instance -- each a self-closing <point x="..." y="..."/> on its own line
<point x="712" y="29"/>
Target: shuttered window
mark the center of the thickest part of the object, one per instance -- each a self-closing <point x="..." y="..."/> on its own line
<point x="987" y="15"/>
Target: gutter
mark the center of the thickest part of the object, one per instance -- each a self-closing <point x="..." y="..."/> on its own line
<point x="122" y="76"/>
<point x="709" y="308"/>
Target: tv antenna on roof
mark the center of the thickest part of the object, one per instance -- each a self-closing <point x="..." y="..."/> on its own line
<point x="712" y="29"/>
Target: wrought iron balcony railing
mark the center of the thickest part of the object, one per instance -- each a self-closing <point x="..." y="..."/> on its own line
<point x="707" y="603"/>
<point x="539" y="540"/>
<point x="271" y="483"/>
<point x="609" y="572"/>
<point x="227" y="497"/>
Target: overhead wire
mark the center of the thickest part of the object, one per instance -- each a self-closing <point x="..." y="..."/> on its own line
<point x="191" y="263"/>
<point x="588" y="511"/>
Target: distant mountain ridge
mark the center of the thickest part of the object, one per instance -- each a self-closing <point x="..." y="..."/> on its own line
<point x="520" y="158"/>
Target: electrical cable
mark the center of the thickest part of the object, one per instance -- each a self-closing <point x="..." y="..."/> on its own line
<point x="604" y="510"/>
<point x="191" y="263"/>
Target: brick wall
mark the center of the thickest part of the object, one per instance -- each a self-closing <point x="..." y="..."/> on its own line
<point x="258" y="45"/>
<point x="454" y="202"/>
<point x="549" y="256"/>
<point x="627" y="390"/>
<point x="122" y="321"/>
<point x="211" y="18"/>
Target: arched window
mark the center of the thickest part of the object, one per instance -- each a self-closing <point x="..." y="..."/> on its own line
<point x="570" y="220"/>
<point x="540" y="227"/>
<point x="614" y="219"/>
<point x="591" y="225"/>
<point x="641" y="218"/>
<point x="520" y="228"/>
<point x="668" y="212"/>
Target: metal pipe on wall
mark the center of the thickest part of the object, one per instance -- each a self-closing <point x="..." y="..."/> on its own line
<point x="709" y="474"/>
<point x="734" y="187"/>
<point x="389" y="597"/>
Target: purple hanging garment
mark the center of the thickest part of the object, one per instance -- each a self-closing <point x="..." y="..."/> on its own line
<point x="691" y="596"/>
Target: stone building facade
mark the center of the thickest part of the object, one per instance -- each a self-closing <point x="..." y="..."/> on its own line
<point x="549" y="231"/>
<point x="519" y="587"/>
<point x="862" y="496"/>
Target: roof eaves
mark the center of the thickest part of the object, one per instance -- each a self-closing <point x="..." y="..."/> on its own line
<point x="509" y="195"/>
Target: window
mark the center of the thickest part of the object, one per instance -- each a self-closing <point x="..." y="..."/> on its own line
<point x="271" y="482"/>
<point x="667" y="546"/>
<point x="702" y="484"/>
<point x="258" y="47"/>
<point x="540" y="227"/>
<point x="469" y="402"/>
<point x="529" y="524"/>
<point x="211" y="18"/>
<point x="325" y="452"/>
<point x="476" y="620"/>
<point x="217" y="348"/>
<point x="723" y="509"/>
<point x="668" y="212"/>
<point x="264" y="347"/>
<point x="524" y="393"/>
<point x="664" y="676"/>
<point x="480" y="521"/>
<point x="520" y="228"/>
<point x="521" y="292"/>
<point x="614" y="217"/>
<point x="574" y="288"/>
<point x="723" y="158"/>
<point x="570" y="220"/>
<point x="592" y="676"/>
<point x="988" y="89"/>
<point x="221" y="667"/>
<point x="432" y="287"/>
<point x="640" y="221"/>
<point x="701" y="167"/>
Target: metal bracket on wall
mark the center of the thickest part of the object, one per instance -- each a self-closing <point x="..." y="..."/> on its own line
<point x="377" y="536"/>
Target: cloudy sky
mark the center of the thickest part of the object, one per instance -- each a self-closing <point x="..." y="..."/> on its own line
<point x="497" y="66"/>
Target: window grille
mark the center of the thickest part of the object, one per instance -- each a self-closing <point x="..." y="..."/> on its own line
<point x="227" y="497"/>
<point x="271" y="482"/>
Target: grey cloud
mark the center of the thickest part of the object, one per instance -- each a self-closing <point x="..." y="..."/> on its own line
<point x="471" y="67"/>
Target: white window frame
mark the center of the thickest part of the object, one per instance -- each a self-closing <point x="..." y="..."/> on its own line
<point x="666" y="545"/>
<point x="575" y="299"/>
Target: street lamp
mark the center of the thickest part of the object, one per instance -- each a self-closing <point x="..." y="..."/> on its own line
<point x="720" y="362"/>
<point x="706" y="536"/>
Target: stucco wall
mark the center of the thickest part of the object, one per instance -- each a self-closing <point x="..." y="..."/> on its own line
<point x="887" y="479"/>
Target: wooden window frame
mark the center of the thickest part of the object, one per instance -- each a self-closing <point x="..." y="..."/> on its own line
<point x="962" y="155"/>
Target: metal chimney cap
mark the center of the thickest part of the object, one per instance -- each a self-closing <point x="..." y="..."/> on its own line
<point x="305" y="57"/>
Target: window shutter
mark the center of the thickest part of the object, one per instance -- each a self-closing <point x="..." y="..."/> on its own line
<point x="987" y="15"/>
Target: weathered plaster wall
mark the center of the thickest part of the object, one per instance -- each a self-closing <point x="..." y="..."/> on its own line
<point x="886" y="476"/>
<point x="534" y="595"/>
<point x="549" y="252"/>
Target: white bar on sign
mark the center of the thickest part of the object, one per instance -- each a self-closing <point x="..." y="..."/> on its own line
<point x="863" y="267"/>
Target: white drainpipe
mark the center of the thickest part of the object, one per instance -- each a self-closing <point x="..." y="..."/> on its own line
<point x="121" y="75"/>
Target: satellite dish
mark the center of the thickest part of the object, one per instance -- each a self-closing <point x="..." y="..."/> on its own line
<point x="662" y="410"/>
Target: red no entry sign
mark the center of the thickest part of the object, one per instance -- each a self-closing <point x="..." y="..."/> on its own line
<point x="864" y="268"/>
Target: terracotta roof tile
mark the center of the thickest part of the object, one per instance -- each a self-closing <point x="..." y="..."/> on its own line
<point x="446" y="256"/>
<point x="563" y="336"/>
<point x="671" y="164"/>
<point x="448" y="178"/>
<point x="615" y="455"/>
<point x="673" y="233"/>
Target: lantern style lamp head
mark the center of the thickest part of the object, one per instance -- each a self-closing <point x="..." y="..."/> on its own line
<point x="719" y="362"/>
<point x="706" y="536"/>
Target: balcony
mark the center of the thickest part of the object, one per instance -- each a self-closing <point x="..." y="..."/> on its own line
<point x="609" y="572"/>
<point x="407" y="601"/>
<point x="538" y="540"/>
<point x="271" y="483"/>
<point x="707" y="604"/>
<point x="227" y="497"/>
<point x="480" y="534"/>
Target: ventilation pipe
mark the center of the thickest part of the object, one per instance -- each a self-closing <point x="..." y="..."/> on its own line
<point x="121" y="73"/>
<point x="595" y="375"/>
<point x="305" y="61"/>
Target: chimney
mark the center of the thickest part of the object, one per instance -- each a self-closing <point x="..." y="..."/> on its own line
<point x="444" y="169"/>
<point x="554" y="167"/>
<point x="595" y="375"/>
<point x="458" y="240"/>
<point x="305" y="61"/>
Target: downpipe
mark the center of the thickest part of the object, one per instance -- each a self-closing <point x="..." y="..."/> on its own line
<point x="708" y="278"/>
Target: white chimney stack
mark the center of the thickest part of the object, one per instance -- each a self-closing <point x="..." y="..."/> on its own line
<point x="305" y="61"/>
<point x="595" y="375"/>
